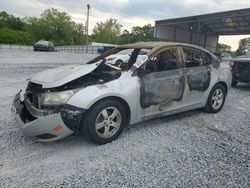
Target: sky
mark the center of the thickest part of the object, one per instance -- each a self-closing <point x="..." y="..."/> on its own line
<point x="129" y="13"/>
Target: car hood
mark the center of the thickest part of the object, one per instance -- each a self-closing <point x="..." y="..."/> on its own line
<point x="61" y="75"/>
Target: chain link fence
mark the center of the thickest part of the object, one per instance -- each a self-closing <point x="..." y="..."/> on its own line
<point x="14" y="46"/>
<point x="70" y="49"/>
<point x="78" y="49"/>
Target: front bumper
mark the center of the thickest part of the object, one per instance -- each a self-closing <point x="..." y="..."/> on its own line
<point x="44" y="128"/>
<point x="41" y="48"/>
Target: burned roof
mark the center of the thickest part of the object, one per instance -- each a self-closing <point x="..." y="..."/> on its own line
<point x="157" y="44"/>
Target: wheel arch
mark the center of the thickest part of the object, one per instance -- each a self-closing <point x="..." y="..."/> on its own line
<point x="207" y="107"/>
<point x="119" y="99"/>
<point x="223" y="84"/>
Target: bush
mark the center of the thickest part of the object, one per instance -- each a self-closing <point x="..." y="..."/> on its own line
<point x="8" y="36"/>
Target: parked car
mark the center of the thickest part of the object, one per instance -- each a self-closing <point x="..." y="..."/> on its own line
<point x="123" y="56"/>
<point x="99" y="99"/>
<point x="43" y="45"/>
<point x="241" y="69"/>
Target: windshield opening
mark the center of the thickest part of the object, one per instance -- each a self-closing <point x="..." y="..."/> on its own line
<point x="121" y="58"/>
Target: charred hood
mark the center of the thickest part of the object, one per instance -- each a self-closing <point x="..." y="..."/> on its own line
<point x="59" y="76"/>
<point x="70" y="77"/>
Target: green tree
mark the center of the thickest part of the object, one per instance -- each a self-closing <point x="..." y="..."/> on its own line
<point x="55" y="26"/>
<point x="9" y="36"/>
<point x="138" y="34"/>
<point x="10" y="21"/>
<point x="223" y="48"/>
<point x="58" y="26"/>
<point x="78" y="34"/>
<point x="107" y="32"/>
<point x="125" y="37"/>
<point x="145" y="33"/>
<point x="34" y="26"/>
<point x="244" y="45"/>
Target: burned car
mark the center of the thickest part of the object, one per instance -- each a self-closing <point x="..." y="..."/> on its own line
<point x="241" y="69"/>
<point x="99" y="99"/>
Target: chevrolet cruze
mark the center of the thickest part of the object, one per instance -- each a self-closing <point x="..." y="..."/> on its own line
<point x="99" y="99"/>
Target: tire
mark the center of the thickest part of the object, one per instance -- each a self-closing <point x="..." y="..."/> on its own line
<point x="234" y="83"/>
<point x="216" y="99"/>
<point x="98" y="124"/>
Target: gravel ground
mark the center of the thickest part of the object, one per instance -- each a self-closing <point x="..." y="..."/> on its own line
<point x="192" y="149"/>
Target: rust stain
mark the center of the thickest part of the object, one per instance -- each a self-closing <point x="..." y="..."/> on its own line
<point x="58" y="127"/>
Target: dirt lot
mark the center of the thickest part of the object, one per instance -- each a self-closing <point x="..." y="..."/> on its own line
<point x="185" y="150"/>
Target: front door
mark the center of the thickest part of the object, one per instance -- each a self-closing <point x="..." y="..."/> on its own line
<point x="162" y="84"/>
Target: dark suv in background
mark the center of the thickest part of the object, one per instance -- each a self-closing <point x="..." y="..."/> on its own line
<point x="241" y="69"/>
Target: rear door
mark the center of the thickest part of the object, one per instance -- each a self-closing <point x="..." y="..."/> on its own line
<point x="198" y="74"/>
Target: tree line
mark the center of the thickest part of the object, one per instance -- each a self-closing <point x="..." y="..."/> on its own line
<point x="52" y="25"/>
<point x="58" y="27"/>
<point x="244" y="46"/>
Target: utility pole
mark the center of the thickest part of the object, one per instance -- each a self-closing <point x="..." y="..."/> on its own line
<point x="87" y="28"/>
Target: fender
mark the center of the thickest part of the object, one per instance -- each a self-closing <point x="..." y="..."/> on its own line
<point x="123" y="88"/>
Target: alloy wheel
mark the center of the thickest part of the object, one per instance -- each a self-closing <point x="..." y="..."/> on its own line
<point x="108" y="122"/>
<point x="217" y="98"/>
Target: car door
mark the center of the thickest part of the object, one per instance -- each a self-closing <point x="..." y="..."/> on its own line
<point x="162" y="82"/>
<point x="198" y="75"/>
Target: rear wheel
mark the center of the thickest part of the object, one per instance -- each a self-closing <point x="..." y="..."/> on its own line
<point x="105" y="121"/>
<point x="216" y="99"/>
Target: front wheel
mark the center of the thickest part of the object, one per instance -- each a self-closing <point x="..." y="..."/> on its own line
<point x="105" y="121"/>
<point x="216" y="99"/>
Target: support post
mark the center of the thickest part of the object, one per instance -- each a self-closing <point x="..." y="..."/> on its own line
<point x="87" y="28"/>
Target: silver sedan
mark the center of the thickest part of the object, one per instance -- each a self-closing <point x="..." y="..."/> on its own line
<point x="99" y="99"/>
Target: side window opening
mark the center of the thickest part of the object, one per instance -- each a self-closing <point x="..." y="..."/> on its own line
<point x="207" y="58"/>
<point x="165" y="60"/>
<point x="193" y="57"/>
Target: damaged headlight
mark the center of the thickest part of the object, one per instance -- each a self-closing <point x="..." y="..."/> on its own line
<point x="56" y="98"/>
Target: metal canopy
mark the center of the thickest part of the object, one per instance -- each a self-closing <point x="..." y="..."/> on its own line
<point x="234" y="22"/>
<point x="204" y="30"/>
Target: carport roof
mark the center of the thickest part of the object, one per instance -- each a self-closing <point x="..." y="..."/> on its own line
<point x="234" y="22"/>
